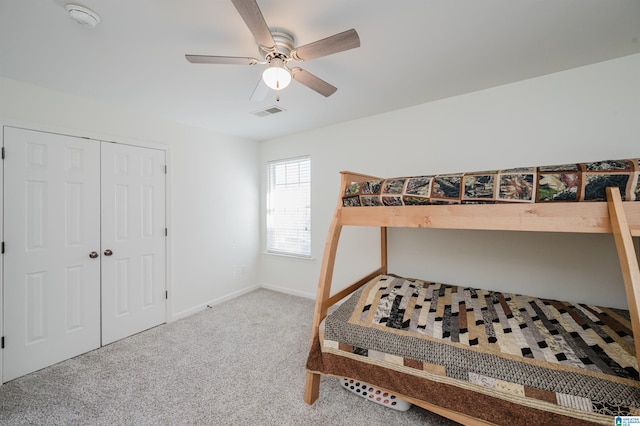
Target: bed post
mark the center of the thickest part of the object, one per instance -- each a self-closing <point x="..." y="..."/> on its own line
<point x="383" y="250"/>
<point x="312" y="389"/>
<point x="628" y="257"/>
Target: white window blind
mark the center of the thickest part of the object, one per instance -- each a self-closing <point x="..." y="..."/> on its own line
<point x="289" y="207"/>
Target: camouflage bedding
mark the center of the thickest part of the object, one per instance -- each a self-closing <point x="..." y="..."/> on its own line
<point x="566" y="182"/>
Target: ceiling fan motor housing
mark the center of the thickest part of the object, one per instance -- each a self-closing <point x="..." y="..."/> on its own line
<point x="285" y="43"/>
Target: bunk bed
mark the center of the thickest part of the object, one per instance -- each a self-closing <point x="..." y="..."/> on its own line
<point x="472" y="355"/>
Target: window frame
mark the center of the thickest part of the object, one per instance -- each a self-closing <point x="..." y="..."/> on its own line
<point x="302" y="232"/>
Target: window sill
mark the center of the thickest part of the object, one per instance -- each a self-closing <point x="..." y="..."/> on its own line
<point x="290" y="256"/>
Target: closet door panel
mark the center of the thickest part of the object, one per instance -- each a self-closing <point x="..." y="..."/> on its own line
<point x="52" y="222"/>
<point x="133" y="232"/>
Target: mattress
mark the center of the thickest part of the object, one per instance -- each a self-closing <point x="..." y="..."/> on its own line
<point x="559" y="183"/>
<point x="505" y="358"/>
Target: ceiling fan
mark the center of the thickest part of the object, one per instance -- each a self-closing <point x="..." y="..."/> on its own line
<point x="276" y="46"/>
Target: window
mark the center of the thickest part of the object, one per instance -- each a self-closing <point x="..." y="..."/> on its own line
<point x="289" y="207"/>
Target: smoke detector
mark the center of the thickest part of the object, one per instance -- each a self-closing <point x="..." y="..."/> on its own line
<point x="82" y="15"/>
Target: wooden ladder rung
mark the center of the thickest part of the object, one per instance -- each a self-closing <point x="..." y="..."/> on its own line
<point x="635" y="232"/>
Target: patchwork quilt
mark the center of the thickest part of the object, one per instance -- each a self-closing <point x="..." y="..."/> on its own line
<point x="566" y="182"/>
<point x="506" y="358"/>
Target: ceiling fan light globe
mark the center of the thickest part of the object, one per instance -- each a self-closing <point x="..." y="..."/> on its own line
<point x="276" y="78"/>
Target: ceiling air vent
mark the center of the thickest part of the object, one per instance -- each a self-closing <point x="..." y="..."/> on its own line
<point x="268" y="111"/>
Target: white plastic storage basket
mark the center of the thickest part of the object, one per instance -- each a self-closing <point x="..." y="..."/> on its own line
<point x="372" y="393"/>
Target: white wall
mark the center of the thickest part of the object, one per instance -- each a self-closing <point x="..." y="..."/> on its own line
<point x="584" y="114"/>
<point x="213" y="186"/>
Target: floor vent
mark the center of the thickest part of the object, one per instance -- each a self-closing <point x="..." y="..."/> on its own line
<point x="268" y="111"/>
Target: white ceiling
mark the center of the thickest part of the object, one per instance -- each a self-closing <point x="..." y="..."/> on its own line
<point x="412" y="52"/>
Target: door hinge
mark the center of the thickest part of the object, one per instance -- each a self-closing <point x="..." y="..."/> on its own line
<point x="165" y="168"/>
<point x="166" y="232"/>
<point x="2" y="342"/>
<point x="2" y="248"/>
<point x="3" y="152"/>
<point x="166" y="294"/>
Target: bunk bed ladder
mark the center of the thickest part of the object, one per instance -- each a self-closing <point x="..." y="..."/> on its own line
<point x="312" y="388"/>
<point x="623" y="235"/>
<point x="324" y="298"/>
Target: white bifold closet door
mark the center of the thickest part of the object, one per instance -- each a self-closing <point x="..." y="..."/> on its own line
<point x="133" y="240"/>
<point x="51" y="225"/>
<point x="84" y="263"/>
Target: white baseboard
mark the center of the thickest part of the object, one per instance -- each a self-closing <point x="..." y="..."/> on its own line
<point x="287" y="291"/>
<point x="239" y="293"/>
<point x="213" y="302"/>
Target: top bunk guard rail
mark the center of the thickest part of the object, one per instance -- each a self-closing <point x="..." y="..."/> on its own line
<point x="577" y="217"/>
<point x="613" y="216"/>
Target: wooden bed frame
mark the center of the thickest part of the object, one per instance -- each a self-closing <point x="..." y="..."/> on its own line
<point x="622" y="219"/>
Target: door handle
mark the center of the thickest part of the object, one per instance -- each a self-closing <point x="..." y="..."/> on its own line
<point x="108" y="252"/>
<point x="93" y="254"/>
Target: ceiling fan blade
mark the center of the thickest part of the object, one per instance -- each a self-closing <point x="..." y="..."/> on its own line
<point x="327" y="46"/>
<point x="260" y="92"/>
<point x="313" y="82"/>
<point x="232" y="60"/>
<point x="252" y="16"/>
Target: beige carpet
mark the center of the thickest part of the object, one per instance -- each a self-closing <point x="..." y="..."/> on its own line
<point x="238" y="363"/>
